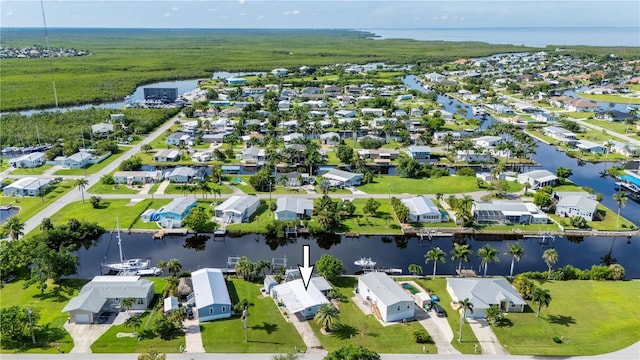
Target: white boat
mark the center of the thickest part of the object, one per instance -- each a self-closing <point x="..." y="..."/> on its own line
<point x="365" y="262"/>
<point x="152" y="271"/>
<point x="126" y="264"/>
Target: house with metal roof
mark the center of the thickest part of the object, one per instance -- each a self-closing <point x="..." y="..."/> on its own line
<point x="31" y="160"/>
<point x="211" y="294"/>
<point x="176" y="138"/>
<point x="253" y="155"/>
<point x="297" y="299"/>
<point x="419" y="153"/>
<point x="343" y="178"/>
<point x="237" y="209"/>
<point x="422" y="209"/>
<point x="388" y="300"/>
<point x="172" y="214"/>
<point x="167" y="155"/>
<point x="27" y="186"/>
<point x="560" y="134"/>
<point x="484" y="293"/>
<point x="578" y="203"/>
<point x="137" y="177"/>
<point x="78" y="160"/>
<point x="183" y="174"/>
<point x="293" y="208"/>
<point x="623" y="148"/>
<point x="538" y="179"/>
<point x="591" y="147"/>
<point x="507" y="213"/>
<point x="104" y="294"/>
<point x="102" y="128"/>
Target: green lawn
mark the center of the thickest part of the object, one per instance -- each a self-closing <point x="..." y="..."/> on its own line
<point x="367" y="330"/>
<point x="438" y="287"/>
<point x="95" y="167"/>
<point x="579" y="115"/>
<point x="609" y="221"/>
<point x="112" y="210"/>
<point x="257" y="224"/>
<point x="177" y="189"/>
<point x="399" y="185"/>
<point x="268" y="330"/>
<point x="30" y="205"/>
<point x="333" y="190"/>
<point x="110" y="343"/>
<point x="611" y="98"/>
<point x="593" y="317"/>
<point x="49" y="333"/>
<point x="248" y="189"/>
<point x="363" y="223"/>
<point x="100" y="188"/>
<point x="615" y="126"/>
<point x="32" y="171"/>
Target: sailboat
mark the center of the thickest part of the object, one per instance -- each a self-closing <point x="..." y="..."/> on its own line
<point x="125" y="264"/>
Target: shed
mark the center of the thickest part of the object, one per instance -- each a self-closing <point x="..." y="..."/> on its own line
<point x="268" y="283"/>
<point x="171" y="304"/>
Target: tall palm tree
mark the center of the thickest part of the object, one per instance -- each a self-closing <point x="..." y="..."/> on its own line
<point x="550" y="256"/>
<point x="621" y="199"/>
<point x="216" y="192"/>
<point x="262" y="265"/>
<point x="487" y="254"/>
<point x="463" y="306"/>
<point x="127" y="303"/>
<point x="204" y="187"/>
<point x="436" y="254"/>
<point x="460" y="253"/>
<point x="81" y="184"/>
<point x="174" y="266"/>
<point x="517" y="252"/>
<point x="14" y="227"/>
<point x="162" y="265"/>
<point x="326" y="316"/>
<point x="542" y="297"/>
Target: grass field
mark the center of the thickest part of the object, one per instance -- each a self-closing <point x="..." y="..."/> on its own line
<point x="383" y="223"/>
<point x="268" y="330"/>
<point x="49" y="334"/>
<point x="32" y="171"/>
<point x="95" y="167"/>
<point x="110" y="343"/>
<point x="100" y="188"/>
<point x="367" y="331"/>
<point x="30" y="205"/>
<point x="399" y="185"/>
<point x="112" y="210"/>
<point x="612" y="98"/>
<point x="603" y="318"/>
<point x="609" y="221"/>
<point x="615" y="126"/>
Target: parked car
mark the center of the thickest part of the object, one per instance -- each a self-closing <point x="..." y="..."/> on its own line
<point x="437" y="309"/>
<point x="189" y="312"/>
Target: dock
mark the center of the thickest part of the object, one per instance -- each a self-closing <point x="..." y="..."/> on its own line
<point x="160" y="234"/>
<point x="524" y="233"/>
<point x="466" y="273"/>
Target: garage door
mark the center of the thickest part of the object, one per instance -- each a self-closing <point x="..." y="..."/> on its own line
<point x="82" y="318"/>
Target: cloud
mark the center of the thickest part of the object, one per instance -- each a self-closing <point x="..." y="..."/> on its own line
<point x="291" y="12"/>
<point x="175" y="8"/>
<point x="166" y="15"/>
<point x="242" y="2"/>
<point x="9" y="13"/>
<point x="260" y="17"/>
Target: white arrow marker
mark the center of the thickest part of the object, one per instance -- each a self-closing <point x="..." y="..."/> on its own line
<point x="305" y="269"/>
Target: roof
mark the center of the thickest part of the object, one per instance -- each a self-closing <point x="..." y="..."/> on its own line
<point x="210" y="287"/>
<point x="170" y="303"/>
<point x="102" y="127"/>
<point x="167" y="153"/>
<point x="28" y="183"/>
<point x="294" y="204"/>
<point x="183" y="171"/>
<point x="586" y="144"/>
<point x="95" y="293"/>
<point x="484" y="292"/>
<point x="420" y="205"/>
<point x="296" y="298"/>
<point x="557" y="130"/>
<point x="178" y="206"/>
<point x="88" y="301"/>
<point x="578" y="199"/>
<point x="540" y="175"/>
<point x="28" y="157"/>
<point x="415" y="149"/>
<point x="79" y="156"/>
<point x="385" y="289"/>
<point x="237" y="204"/>
<point x="341" y="175"/>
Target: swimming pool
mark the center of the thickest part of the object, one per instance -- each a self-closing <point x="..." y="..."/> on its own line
<point x="412" y="289"/>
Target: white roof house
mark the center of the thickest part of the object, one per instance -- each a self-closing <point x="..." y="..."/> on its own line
<point x="27" y="186"/>
<point x="297" y="299"/>
<point x="487" y="141"/>
<point x="31" y="160"/>
<point x="507" y="212"/>
<point x="590" y="147"/>
<point x="577" y="203"/>
<point x="484" y="293"/>
<point x="422" y="209"/>
<point x="211" y="294"/>
<point x="293" y="208"/>
<point x="343" y="178"/>
<point x="538" y="178"/>
<point x="102" y="128"/>
<point x="237" y="209"/>
<point x="387" y="298"/>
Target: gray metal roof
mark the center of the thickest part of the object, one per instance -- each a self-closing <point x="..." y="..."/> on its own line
<point x="385" y="289"/>
<point x="95" y="293"/>
<point x="184" y="171"/>
<point x="484" y="292"/>
<point x="579" y="200"/>
<point x="210" y="287"/>
<point x="294" y="204"/>
<point x="88" y="300"/>
<point x="420" y="205"/>
<point x="540" y="174"/>
<point x="341" y="175"/>
<point x="238" y="204"/>
<point x="28" y="183"/>
<point x="177" y="206"/>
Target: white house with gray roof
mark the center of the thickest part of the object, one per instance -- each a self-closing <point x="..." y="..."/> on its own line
<point x="102" y="128"/>
<point x="104" y="294"/>
<point x="237" y="209"/>
<point x="211" y="294"/>
<point x="484" y="293"/>
<point x="538" y="179"/>
<point x="388" y="300"/>
<point x="590" y="147"/>
<point x="27" y="186"/>
<point x="343" y="178"/>
<point x="560" y="134"/>
<point x="422" y="209"/>
<point x="78" y="160"/>
<point x="293" y="208"/>
<point x="31" y="160"/>
<point x="166" y="155"/>
<point x="183" y="174"/>
<point x="578" y="203"/>
<point x="507" y="213"/>
<point x="619" y="147"/>
<point x="297" y="299"/>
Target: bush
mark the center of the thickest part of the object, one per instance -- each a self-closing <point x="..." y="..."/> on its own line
<point x="466" y="172"/>
<point x="422" y="337"/>
<point x="617" y="272"/>
<point x="557" y="340"/>
<point x="600" y="272"/>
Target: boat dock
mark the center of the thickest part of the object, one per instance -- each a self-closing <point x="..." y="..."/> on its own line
<point x="160" y="234"/>
<point x="525" y="233"/>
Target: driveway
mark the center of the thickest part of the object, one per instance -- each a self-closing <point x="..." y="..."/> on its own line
<point x="439" y="329"/>
<point x="488" y="340"/>
<point x="84" y="335"/>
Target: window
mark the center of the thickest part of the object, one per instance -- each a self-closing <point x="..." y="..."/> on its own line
<point x="140" y="301"/>
<point x="224" y="309"/>
<point x="398" y="308"/>
<point x="210" y="310"/>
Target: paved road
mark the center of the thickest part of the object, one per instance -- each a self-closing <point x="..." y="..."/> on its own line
<point x="76" y="195"/>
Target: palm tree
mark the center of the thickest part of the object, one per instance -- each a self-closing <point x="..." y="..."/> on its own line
<point x="550" y="256"/>
<point x="204" y="187"/>
<point x="326" y="316"/>
<point x="262" y="265"/>
<point x="216" y="192"/>
<point x="463" y="306"/>
<point x="461" y="253"/>
<point x="435" y="254"/>
<point x="162" y="265"/>
<point x="487" y="254"/>
<point x="174" y="266"/>
<point x="127" y="303"/>
<point x="46" y="224"/>
<point x="133" y="322"/>
<point x="621" y="199"/>
<point x="14" y="227"/>
<point x="517" y="252"/>
<point x="542" y="297"/>
<point x="81" y="184"/>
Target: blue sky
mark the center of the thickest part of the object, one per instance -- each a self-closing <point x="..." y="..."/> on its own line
<point x="353" y="14"/>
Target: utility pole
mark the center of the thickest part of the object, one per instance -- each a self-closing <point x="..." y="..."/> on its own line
<point x="33" y="336"/>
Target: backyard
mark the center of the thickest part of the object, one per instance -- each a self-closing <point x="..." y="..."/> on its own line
<point x="397" y="185"/>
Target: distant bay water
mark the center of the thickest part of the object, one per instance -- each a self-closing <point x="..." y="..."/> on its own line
<point x="528" y="36"/>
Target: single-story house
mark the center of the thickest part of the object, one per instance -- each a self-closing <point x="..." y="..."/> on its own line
<point x="137" y="177"/>
<point x="346" y="113"/>
<point x="330" y="138"/>
<point x="372" y="111"/>
<point x="590" y="147"/>
<point x="544" y="117"/>
<point x="619" y="147"/>
<point x="167" y="156"/>
<point x="484" y="293"/>
<point x="102" y="129"/>
<point x="211" y="294"/>
<point x="297" y="299"/>
<point x="237" y="209"/>
<point x="560" y="134"/>
<point x="183" y="174"/>
<point x="422" y="209"/>
<point x="31" y="160"/>
<point x="253" y="155"/>
<point x="419" y="153"/>
<point x="389" y="301"/>
<point x="202" y="156"/>
<point x="78" y="160"/>
<point x="268" y="284"/>
<point x="292" y="179"/>
<point x="487" y="141"/>
<point x="176" y="138"/>
<point x="27" y="186"/>
<point x="172" y="214"/>
<point x="538" y="178"/>
<point x="471" y="156"/>
<point x="104" y="293"/>
<point x="613" y="115"/>
<point x="507" y="213"/>
<point x="343" y="178"/>
<point x="293" y="208"/>
<point x="293" y="136"/>
<point x="577" y="203"/>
